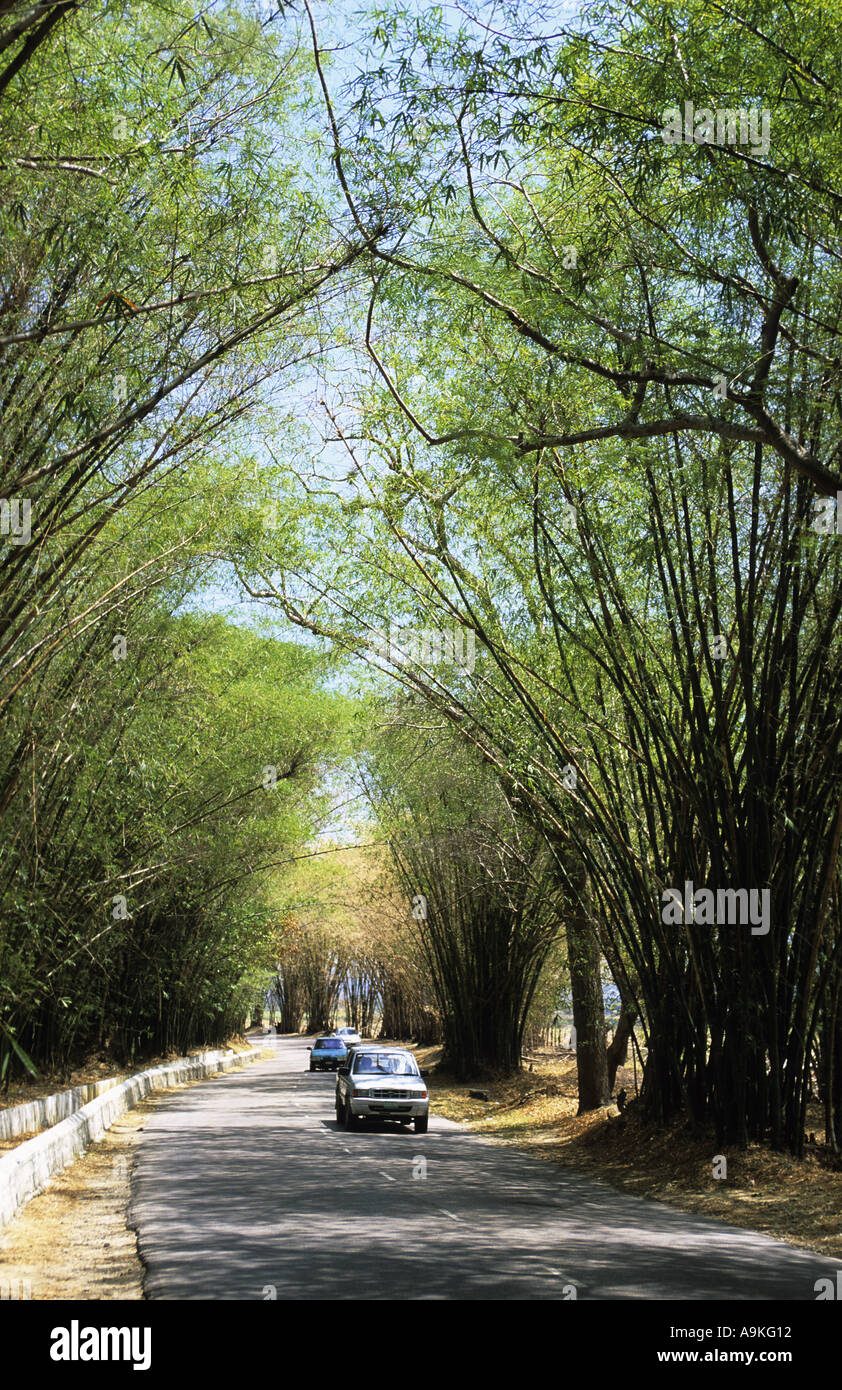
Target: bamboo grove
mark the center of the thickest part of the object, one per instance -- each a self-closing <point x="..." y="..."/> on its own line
<point x="498" y="372"/>
<point x="156" y="264"/>
<point x="596" y="426"/>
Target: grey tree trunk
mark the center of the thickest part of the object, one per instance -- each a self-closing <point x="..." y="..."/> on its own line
<point x="588" y="1002"/>
<point x="618" y="1049"/>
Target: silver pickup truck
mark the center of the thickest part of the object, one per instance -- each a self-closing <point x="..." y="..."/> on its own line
<point x="381" y="1083"/>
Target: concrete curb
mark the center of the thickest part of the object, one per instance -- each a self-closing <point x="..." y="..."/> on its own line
<point x="39" y="1114"/>
<point x="26" y="1170"/>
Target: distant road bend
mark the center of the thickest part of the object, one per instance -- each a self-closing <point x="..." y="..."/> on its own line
<point x="247" y="1188"/>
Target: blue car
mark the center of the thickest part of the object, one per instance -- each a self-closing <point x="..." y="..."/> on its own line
<point x="327" y="1054"/>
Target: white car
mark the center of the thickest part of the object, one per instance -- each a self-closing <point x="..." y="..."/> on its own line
<point x="348" y="1035"/>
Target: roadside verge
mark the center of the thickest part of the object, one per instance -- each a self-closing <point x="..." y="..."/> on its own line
<point x="27" y="1169"/>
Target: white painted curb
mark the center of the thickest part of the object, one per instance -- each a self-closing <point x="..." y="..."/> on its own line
<point x="26" y="1170"/>
<point x="39" y="1114"/>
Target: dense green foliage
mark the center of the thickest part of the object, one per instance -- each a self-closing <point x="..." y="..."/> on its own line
<point x="596" y="419"/>
<point x="485" y="901"/>
<point x="163" y="259"/>
<point x="135" y="905"/>
<point x="580" y="385"/>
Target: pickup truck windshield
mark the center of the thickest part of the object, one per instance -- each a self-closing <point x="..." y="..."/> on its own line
<point x="385" y="1064"/>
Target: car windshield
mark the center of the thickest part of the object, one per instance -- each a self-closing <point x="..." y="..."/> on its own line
<point x="386" y="1064"/>
<point x="329" y="1044"/>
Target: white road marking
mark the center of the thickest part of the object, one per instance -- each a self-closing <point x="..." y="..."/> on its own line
<point x="559" y="1274"/>
<point x="386" y="1175"/>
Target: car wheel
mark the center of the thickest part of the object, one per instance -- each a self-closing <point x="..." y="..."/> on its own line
<point x="312" y="1068"/>
<point x="421" y="1124"/>
<point x="350" y="1118"/>
<point x="338" y="1113"/>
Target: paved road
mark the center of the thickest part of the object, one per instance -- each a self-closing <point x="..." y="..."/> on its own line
<point x="246" y="1188"/>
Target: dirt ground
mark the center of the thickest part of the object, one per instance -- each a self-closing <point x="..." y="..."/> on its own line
<point x="796" y="1201"/>
<point x="71" y="1241"/>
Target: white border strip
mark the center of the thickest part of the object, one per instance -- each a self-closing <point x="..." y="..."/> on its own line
<point x="39" y="1114"/>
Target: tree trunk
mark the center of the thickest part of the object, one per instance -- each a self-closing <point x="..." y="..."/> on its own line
<point x="588" y="1002"/>
<point x="618" y="1050"/>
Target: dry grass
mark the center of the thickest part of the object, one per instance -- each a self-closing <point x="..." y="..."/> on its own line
<point x="21" y="1091"/>
<point x="72" y="1240"/>
<point x="796" y="1201"/>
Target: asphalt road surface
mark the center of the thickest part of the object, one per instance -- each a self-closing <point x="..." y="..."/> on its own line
<point x="246" y="1188"/>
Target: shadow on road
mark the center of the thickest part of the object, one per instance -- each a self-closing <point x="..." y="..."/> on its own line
<point x="250" y="1184"/>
